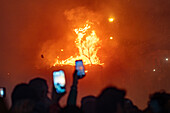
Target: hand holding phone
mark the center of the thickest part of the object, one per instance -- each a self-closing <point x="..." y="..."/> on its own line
<point x="80" y="68"/>
<point x="59" y="81"/>
<point x="2" y="92"/>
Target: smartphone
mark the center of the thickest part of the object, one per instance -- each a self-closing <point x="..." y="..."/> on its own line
<point x="2" y="92"/>
<point x="59" y="81"/>
<point x="80" y="68"/>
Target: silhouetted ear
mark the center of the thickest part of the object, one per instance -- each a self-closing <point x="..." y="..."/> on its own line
<point x="123" y="93"/>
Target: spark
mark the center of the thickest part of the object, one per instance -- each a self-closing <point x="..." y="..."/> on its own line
<point x="166" y="59"/>
<point x="111" y="38"/>
<point x="62" y="50"/>
<point x="154" y="70"/>
<point x="86" y="71"/>
<point x="111" y="19"/>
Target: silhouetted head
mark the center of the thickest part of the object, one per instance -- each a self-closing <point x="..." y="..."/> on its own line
<point x="127" y="104"/>
<point x="3" y="107"/>
<point x="71" y="109"/>
<point x="40" y="87"/>
<point x="21" y="92"/>
<point x="108" y="100"/>
<point x="129" y="107"/>
<point x="159" y="102"/>
<point x="88" y="104"/>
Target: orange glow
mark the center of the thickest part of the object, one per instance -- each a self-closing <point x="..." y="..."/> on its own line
<point x="88" y="45"/>
<point x="111" y="19"/>
<point x="111" y="38"/>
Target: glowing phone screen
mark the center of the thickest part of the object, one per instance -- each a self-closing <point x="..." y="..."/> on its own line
<point x="2" y="92"/>
<point x="59" y="81"/>
<point x="80" y="68"/>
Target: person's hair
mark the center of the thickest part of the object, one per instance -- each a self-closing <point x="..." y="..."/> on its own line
<point x="108" y="99"/>
<point x="88" y="98"/>
<point x="88" y="104"/>
<point x="71" y="109"/>
<point x="163" y="100"/>
<point x="40" y="87"/>
<point x="23" y="106"/>
<point x="22" y="91"/>
<point x="37" y="81"/>
<point x="3" y="107"/>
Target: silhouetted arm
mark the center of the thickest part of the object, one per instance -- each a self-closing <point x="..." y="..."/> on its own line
<point x="72" y="98"/>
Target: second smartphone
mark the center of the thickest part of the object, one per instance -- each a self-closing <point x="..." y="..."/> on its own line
<point x="2" y="92"/>
<point x="59" y="81"/>
<point x="80" y="68"/>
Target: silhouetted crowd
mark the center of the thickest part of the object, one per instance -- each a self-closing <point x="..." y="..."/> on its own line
<point x="32" y="98"/>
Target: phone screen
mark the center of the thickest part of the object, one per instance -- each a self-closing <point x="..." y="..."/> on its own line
<point x="2" y="92"/>
<point x="59" y="81"/>
<point x="80" y="68"/>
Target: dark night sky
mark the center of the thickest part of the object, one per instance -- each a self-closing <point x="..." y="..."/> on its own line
<point x="141" y="29"/>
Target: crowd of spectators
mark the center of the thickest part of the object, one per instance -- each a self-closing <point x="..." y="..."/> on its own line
<point x="32" y="98"/>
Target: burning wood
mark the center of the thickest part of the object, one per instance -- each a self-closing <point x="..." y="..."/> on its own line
<point x="88" y="45"/>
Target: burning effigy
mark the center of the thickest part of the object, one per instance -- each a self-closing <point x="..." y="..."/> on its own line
<point x="88" y="45"/>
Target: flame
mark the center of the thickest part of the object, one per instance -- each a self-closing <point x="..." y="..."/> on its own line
<point x="88" y="45"/>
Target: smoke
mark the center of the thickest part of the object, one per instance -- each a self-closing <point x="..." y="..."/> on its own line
<point x="76" y="18"/>
<point x="80" y="15"/>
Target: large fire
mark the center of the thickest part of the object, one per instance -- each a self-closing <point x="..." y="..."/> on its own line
<point x="88" y="45"/>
